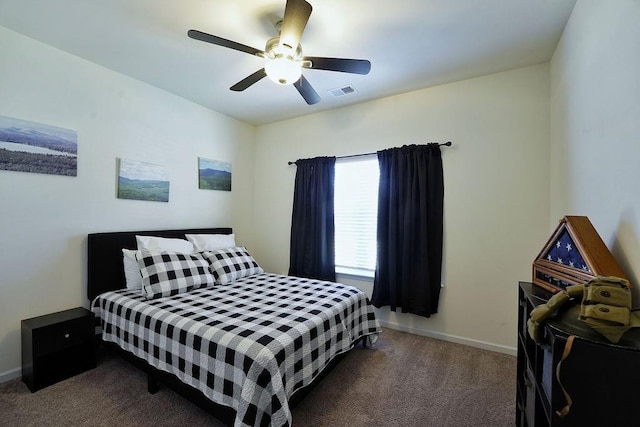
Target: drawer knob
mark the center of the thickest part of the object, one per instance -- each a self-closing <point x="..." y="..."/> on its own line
<point x="67" y="335"/>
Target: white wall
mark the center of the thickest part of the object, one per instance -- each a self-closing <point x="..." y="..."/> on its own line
<point x="595" y="125"/>
<point x="45" y="218"/>
<point x="496" y="189"/>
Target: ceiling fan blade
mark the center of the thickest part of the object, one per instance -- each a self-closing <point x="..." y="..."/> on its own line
<point x="354" y="66"/>
<point x="248" y="81"/>
<point x="296" y="15"/>
<point x="307" y="91"/>
<point x="199" y="35"/>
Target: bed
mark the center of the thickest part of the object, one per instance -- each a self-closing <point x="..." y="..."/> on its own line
<point x="249" y="347"/>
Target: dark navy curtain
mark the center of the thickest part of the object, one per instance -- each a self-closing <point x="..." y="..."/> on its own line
<point x="312" y="225"/>
<point x="410" y="229"/>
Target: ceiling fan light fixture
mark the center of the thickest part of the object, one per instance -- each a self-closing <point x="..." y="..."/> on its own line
<point x="283" y="64"/>
<point x="283" y="70"/>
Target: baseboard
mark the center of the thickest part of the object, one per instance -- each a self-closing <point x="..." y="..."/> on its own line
<point x="9" y="375"/>
<point x="453" y="338"/>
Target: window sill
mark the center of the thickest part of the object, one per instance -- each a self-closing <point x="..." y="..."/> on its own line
<point x="357" y="273"/>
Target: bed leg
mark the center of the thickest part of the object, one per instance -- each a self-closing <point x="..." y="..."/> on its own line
<point x="152" y="384"/>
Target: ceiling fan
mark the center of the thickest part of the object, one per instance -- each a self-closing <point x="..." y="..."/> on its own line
<point x="283" y="54"/>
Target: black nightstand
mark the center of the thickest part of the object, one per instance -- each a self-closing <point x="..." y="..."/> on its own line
<point x="57" y="346"/>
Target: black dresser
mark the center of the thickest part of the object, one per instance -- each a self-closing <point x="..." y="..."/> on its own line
<point x="57" y="346"/>
<point x="602" y="379"/>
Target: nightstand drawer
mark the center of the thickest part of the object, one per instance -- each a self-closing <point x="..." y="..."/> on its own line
<point x="62" y="335"/>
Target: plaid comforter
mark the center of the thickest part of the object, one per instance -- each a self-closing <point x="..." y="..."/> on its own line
<point x="247" y="345"/>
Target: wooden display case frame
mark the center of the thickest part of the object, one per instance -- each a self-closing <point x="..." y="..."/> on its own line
<point x="556" y="277"/>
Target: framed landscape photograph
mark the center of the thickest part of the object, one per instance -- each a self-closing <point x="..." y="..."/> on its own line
<point x="37" y="148"/>
<point x="142" y="181"/>
<point x="214" y="175"/>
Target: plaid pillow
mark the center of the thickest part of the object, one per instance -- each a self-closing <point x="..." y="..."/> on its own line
<point x="165" y="274"/>
<point x="232" y="264"/>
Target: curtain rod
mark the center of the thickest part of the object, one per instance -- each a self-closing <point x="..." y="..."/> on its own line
<point x="446" y="144"/>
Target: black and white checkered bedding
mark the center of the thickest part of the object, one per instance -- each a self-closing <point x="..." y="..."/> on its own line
<point x="248" y="344"/>
<point x="167" y="274"/>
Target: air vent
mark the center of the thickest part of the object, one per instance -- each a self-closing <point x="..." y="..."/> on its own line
<point x="341" y="91"/>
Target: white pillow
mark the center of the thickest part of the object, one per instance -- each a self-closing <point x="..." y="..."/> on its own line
<point x="131" y="270"/>
<point x="211" y="242"/>
<point x="161" y="244"/>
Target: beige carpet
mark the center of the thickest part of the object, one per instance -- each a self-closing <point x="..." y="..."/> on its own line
<point x="405" y="380"/>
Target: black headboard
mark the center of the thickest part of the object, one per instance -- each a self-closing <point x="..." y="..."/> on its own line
<point x="104" y="258"/>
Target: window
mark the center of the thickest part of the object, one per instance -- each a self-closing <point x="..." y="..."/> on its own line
<point x="356" y="211"/>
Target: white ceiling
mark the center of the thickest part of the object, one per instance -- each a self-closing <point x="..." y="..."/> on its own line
<point x="411" y="44"/>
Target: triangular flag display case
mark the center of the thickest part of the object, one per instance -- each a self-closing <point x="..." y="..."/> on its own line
<point x="573" y="255"/>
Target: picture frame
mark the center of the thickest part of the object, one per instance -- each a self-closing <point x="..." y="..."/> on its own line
<point x="214" y="174"/>
<point x="139" y="180"/>
<point x="27" y="146"/>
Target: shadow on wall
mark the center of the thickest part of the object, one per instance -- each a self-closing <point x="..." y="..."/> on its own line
<point x="11" y="340"/>
<point x="626" y="249"/>
<point x="84" y="275"/>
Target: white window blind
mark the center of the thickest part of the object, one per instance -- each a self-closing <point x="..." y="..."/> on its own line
<point x="356" y="212"/>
